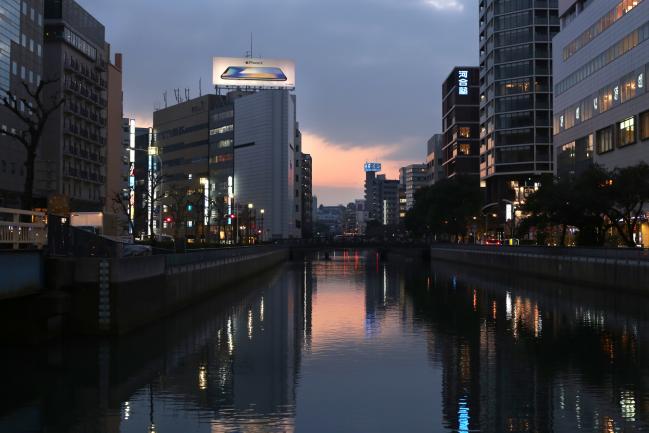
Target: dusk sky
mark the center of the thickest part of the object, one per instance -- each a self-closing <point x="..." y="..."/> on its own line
<point x="369" y="72"/>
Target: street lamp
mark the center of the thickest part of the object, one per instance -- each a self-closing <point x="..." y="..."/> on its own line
<point x="249" y="231"/>
<point x="262" y="225"/>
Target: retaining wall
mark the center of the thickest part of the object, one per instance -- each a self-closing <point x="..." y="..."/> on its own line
<point x="625" y="270"/>
<point x="115" y="296"/>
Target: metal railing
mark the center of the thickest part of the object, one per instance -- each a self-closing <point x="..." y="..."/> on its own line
<point x="20" y="227"/>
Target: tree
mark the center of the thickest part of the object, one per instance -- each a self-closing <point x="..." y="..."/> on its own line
<point x="152" y="196"/>
<point x="33" y="111"/>
<point x="178" y="204"/>
<point x="628" y="192"/>
<point x="445" y="209"/>
<point x="122" y="205"/>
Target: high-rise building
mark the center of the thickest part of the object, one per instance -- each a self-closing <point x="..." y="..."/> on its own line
<point x="265" y="154"/>
<point x="435" y="159"/>
<point x="21" y="61"/>
<point x="461" y="122"/>
<point x="515" y="94"/>
<point x="73" y="158"/>
<point x="412" y="177"/>
<point x="381" y="196"/>
<point x="601" y="105"/>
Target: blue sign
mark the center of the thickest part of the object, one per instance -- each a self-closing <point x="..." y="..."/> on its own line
<point x="372" y="167"/>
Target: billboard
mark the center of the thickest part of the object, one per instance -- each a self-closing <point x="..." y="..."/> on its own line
<point x="372" y="167"/>
<point x="249" y="72"/>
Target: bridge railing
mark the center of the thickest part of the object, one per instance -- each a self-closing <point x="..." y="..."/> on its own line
<point x="21" y="227"/>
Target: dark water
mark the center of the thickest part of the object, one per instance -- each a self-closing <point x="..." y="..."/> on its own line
<point x="352" y="345"/>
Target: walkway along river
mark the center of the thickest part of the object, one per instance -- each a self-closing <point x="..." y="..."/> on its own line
<point x="351" y="344"/>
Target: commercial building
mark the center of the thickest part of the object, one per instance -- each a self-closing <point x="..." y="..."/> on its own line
<point x="435" y="159"/>
<point x="461" y="122"/>
<point x="21" y="61"/>
<point x="381" y="196"/>
<point x="412" y="177"/>
<point x="265" y="155"/>
<point x="515" y="94"/>
<point x="182" y="138"/>
<point x="73" y="158"/>
<point x="601" y="61"/>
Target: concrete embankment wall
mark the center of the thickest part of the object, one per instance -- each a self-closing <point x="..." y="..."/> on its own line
<point x="115" y="296"/>
<point x="624" y="270"/>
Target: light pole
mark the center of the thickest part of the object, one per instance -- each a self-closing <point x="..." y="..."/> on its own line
<point x="263" y="237"/>
<point x="249" y="231"/>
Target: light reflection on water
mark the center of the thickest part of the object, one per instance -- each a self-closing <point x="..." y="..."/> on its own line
<point x="352" y="344"/>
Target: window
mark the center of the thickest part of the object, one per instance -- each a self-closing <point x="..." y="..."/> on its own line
<point x="190" y="224"/>
<point x="32" y="14"/>
<point x="24" y="8"/>
<point x="604" y="140"/>
<point x="14" y="68"/>
<point x="23" y="72"/>
<point x="222" y="130"/>
<point x="31" y="45"/>
<point x="644" y="126"/>
<point x="189" y="176"/>
<point x="626" y="132"/>
<point x="24" y="40"/>
<point x="465" y="149"/>
<point x="465" y="132"/>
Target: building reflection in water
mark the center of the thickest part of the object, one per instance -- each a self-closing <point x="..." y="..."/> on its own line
<point x="457" y="350"/>
<point x="520" y="356"/>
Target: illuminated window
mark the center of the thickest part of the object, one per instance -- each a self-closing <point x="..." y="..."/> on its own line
<point x="465" y="132"/>
<point x="465" y="149"/>
<point x="190" y="224"/>
<point x="222" y="130"/>
<point x="626" y="132"/>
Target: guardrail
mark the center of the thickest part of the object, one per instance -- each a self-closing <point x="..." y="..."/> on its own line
<point x="21" y="227"/>
<point x="639" y="254"/>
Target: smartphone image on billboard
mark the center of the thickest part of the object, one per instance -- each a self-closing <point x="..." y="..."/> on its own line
<point x="253" y="73"/>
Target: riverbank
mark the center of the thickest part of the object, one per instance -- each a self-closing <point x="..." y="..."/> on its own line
<point x="619" y="269"/>
<point x="116" y="296"/>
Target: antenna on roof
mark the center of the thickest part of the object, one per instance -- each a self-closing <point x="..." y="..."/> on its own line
<point x="200" y="87"/>
<point x="177" y="95"/>
<point x="249" y="53"/>
<point x="164" y="98"/>
<point x="187" y="98"/>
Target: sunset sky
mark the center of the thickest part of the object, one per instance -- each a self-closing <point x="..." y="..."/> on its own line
<point x="369" y="72"/>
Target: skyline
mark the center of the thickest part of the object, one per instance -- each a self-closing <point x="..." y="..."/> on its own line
<point x="346" y="62"/>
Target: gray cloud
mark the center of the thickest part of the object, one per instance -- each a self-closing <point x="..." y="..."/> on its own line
<point x="369" y="71"/>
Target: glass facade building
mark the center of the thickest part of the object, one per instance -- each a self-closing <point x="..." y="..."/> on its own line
<point x="515" y="93"/>
<point x="10" y="26"/>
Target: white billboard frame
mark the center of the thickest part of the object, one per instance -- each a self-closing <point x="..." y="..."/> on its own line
<point x="246" y="72"/>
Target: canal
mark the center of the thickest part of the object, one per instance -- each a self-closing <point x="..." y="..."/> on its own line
<point x="351" y="344"/>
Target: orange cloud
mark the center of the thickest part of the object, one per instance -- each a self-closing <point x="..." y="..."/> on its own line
<point x="341" y="165"/>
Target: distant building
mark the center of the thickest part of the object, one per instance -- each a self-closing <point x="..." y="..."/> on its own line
<point x="411" y="178"/>
<point x="307" y="195"/>
<point x="333" y="217"/>
<point x="21" y="60"/>
<point x="435" y="159"/>
<point x="461" y="122"/>
<point x="381" y="196"/>
<point x="361" y="216"/>
<point x="601" y="103"/>
<point x="72" y="161"/>
<point x="117" y="157"/>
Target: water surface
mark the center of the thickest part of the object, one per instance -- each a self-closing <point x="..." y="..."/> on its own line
<point x="352" y="345"/>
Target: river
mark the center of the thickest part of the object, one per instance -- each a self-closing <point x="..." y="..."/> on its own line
<point x="351" y="344"/>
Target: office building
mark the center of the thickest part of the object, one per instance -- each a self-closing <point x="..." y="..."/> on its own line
<point x="435" y="159"/>
<point x="182" y="138"/>
<point x="411" y="178"/>
<point x="515" y="94"/>
<point x="73" y="159"/>
<point x="265" y="154"/>
<point x="601" y="106"/>
<point x="461" y="122"/>
<point x="21" y="61"/>
<point x="333" y="218"/>
<point x="381" y="196"/>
